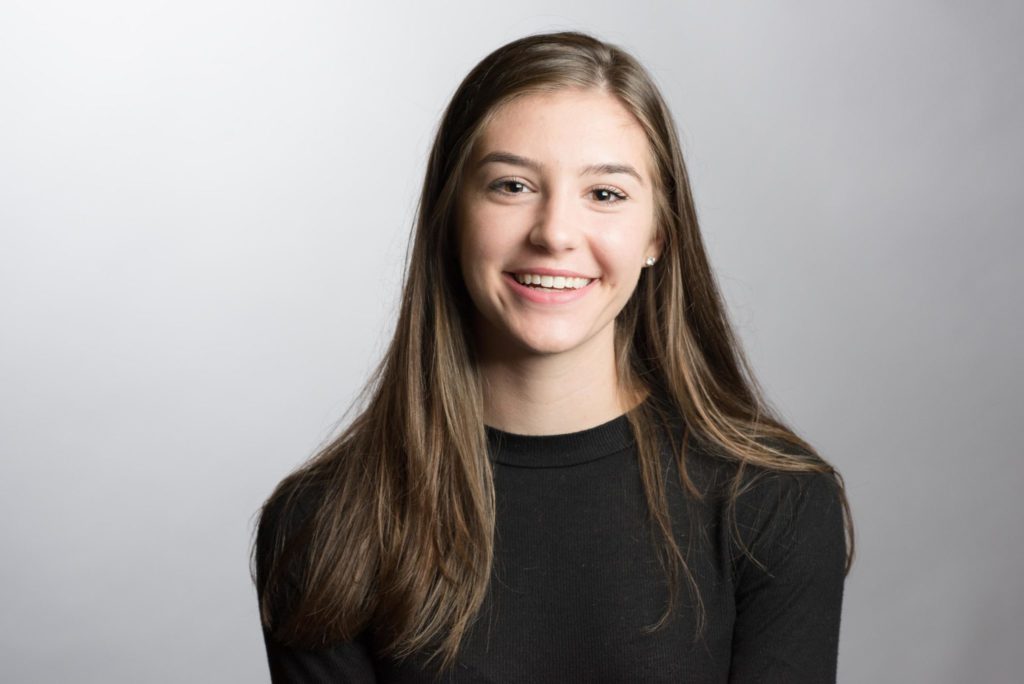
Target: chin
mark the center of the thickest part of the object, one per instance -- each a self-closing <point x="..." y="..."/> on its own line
<point x="548" y="344"/>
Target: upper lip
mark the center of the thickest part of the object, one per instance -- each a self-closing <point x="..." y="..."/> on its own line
<point x="549" y="272"/>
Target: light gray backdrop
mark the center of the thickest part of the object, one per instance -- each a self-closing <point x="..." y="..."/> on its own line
<point x="204" y="210"/>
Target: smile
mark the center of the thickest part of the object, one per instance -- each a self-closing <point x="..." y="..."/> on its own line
<point x="551" y="282"/>
<point x="578" y="288"/>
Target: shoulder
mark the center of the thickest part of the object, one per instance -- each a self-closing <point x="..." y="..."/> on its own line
<point x="283" y="522"/>
<point x="768" y="497"/>
<point x="769" y="513"/>
<point x="787" y="519"/>
<point x="767" y="500"/>
<point x="287" y="507"/>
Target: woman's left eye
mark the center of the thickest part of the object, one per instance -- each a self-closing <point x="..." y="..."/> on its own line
<point x="608" y="195"/>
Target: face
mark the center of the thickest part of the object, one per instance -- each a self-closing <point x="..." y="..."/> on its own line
<point x="557" y="182"/>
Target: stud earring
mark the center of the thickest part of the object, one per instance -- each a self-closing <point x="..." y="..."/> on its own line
<point x="650" y="261"/>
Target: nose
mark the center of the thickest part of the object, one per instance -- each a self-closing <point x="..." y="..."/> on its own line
<point x="557" y="225"/>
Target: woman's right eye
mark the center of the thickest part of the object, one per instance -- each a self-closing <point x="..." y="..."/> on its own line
<point x="509" y="186"/>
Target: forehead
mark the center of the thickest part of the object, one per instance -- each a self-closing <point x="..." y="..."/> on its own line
<point x="567" y="126"/>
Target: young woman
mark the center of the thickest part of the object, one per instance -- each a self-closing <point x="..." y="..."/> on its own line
<point x="563" y="469"/>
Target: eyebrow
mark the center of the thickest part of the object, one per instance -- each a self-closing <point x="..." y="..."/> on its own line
<point x="591" y="169"/>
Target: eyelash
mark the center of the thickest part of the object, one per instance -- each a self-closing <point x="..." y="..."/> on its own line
<point x="615" y="192"/>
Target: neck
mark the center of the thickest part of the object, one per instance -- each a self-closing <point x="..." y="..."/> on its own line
<point x="547" y="394"/>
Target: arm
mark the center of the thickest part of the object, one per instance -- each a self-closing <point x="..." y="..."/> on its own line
<point x="348" y="662"/>
<point x="787" y="614"/>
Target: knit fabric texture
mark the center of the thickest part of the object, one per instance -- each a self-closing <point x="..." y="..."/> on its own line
<point x="577" y="583"/>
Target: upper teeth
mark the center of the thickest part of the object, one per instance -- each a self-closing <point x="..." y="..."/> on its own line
<point x="557" y="282"/>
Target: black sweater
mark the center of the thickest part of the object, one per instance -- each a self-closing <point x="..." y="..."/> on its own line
<point x="576" y="576"/>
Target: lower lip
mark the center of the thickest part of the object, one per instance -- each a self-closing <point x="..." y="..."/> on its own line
<point x="542" y="297"/>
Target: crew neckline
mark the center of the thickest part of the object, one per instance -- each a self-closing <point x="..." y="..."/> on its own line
<point x="559" y="450"/>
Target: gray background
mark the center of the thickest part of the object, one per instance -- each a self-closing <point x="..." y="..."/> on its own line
<point x="204" y="211"/>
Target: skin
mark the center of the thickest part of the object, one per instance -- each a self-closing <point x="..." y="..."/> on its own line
<point x="550" y="369"/>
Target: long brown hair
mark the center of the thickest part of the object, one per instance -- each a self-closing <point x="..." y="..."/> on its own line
<point x="393" y="521"/>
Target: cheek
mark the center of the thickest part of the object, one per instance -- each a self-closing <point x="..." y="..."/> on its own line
<point x="486" y="238"/>
<point x="478" y="256"/>
<point x="624" y="250"/>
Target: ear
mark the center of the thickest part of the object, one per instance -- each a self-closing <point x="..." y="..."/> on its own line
<point x="655" y="246"/>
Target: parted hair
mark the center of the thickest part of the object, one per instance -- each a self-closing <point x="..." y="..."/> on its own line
<point x="391" y="524"/>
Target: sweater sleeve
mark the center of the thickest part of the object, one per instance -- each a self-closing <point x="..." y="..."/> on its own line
<point x="345" y="662"/>
<point x="788" y="611"/>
